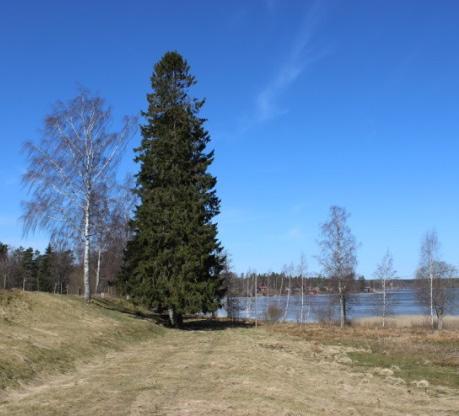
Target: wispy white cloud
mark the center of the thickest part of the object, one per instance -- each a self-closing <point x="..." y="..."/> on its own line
<point x="301" y="55"/>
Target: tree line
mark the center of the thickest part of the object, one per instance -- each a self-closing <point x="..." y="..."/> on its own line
<point x="28" y="269"/>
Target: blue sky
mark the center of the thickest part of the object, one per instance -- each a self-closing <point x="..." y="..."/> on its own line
<point x="310" y="104"/>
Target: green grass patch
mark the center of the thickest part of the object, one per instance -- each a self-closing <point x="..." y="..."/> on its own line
<point x="411" y="369"/>
<point x="418" y="352"/>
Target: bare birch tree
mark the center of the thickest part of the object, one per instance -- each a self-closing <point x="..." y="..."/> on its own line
<point x="69" y="168"/>
<point x="434" y="280"/>
<point x="429" y="255"/>
<point x="112" y="230"/>
<point x="338" y="256"/>
<point x="288" y="272"/>
<point x="385" y="272"/>
<point x="302" y="268"/>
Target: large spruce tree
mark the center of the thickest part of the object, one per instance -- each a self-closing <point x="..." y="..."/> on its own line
<point x="174" y="259"/>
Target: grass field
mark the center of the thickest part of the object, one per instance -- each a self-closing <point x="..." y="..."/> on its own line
<point x="133" y="367"/>
<point x="408" y="348"/>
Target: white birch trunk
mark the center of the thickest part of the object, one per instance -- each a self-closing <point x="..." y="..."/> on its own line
<point x="341" y="305"/>
<point x="384" y="302"/>
<point x="247" y="304"/>
<point x="302" y="300"/>
<point x="98" y="271"/>
<point x="171" y="314"/>
<point x="431" y="293"/>
<point x="86" y="282"/>
<point x="288" y="300"/>
<point x="256" y="295"/>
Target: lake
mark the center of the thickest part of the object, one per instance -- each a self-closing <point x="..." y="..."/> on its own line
<point x="403" y="302"/>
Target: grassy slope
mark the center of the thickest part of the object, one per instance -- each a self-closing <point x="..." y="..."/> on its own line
<point x="42" y="333"/>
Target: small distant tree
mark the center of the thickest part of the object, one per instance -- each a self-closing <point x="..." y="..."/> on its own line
<point x="288" y="271"/>
<point x="302" y="270"/>
<point x="385" y="272"/>
<point x="362" y="283"/>
<point x="45" y="270"/>
<point x="63" y="266"/>
<point x="14" y="269"/>
<point x="338" y="256"/>
<point x="273" y="313"/>
<point x="27" y="267"/>
<point x="69" y="169"/>
<point x="434" y="280"/>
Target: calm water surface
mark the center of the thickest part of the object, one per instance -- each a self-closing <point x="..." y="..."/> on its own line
<point x="403" y="302"/>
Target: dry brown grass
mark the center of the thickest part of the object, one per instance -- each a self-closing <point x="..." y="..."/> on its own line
<point x="209" y="369"/>
<point x="407" y="321"/>
<point x="234" y="371"/>
<point x="416" y="351"/>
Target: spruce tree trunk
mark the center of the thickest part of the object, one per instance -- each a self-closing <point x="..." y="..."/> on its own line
<point x="86" y="283"/>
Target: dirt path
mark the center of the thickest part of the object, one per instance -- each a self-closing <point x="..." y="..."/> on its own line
<point x="226" y="372"/>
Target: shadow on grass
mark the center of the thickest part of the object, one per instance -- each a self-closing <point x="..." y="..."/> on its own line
<point x="124" y="307"/>
<point x="190" y="323"/>
<point x="213" y="324"/>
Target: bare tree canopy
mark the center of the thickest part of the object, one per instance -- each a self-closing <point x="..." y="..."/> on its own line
<point x="385" y="272"/>
<point x="338" y="255"/>
<point x="434" y="280"/>
<point x="112" y="231"/>
<point x="71" y="168"/>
